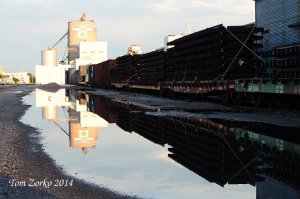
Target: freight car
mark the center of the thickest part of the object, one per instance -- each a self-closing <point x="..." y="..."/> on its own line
<point x="210" y="59"/>
<point x="196" y="63"/>
<point x="143" y="71"/>
<point x="223" y="61"/>
<point x="100" y="74"/>
<point x="279" y="82"/>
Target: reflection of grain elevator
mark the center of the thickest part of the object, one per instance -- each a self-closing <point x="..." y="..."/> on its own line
<point x="81" y="136"/>
<point x="83" y="132"/>
<point x="82" y="49"/>
<point x="83" y="125"/>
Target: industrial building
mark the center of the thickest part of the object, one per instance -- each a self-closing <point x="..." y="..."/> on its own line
<point x="49" y="65"/>
<point x="281" y="21"/>
<point x="83" y="49"/>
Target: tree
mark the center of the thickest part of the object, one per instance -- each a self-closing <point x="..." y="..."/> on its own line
<point x="16" y="80"/>
<point x="31" y="78"/>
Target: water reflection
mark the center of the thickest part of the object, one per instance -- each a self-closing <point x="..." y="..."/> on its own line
<point x="220" y="151"/>
<point x="83" y="124"/>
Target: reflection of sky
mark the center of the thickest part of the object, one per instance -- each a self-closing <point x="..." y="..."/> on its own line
<point x="128" y="163"/>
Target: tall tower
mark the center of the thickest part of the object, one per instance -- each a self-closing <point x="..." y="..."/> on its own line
<point x="80" y="31"/>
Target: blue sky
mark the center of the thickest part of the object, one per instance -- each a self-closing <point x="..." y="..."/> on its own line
<point x="28" y="26"/>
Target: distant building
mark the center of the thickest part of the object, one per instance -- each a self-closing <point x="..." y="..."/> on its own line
<point x="23" y="77"/>
<point x="281" y="20"/>
<point x="134" y="50"/>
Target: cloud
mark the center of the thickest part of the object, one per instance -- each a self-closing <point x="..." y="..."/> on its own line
<point x="31" y="2"/>
<point x="163" y="155"/>
<point x="166" y="5"/>
<point x="226" y="6"/>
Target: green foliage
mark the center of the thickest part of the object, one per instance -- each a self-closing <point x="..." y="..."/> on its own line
<point x="16" y="80"/>
<point x="31" y="78"/>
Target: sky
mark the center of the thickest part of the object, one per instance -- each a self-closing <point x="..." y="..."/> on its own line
<point x="29" y="26"/>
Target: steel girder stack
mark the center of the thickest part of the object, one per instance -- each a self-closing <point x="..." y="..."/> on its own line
<point x="213" y="53"/>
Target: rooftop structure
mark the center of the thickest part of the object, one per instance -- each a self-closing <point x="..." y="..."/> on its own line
<point x="134" y="49"/>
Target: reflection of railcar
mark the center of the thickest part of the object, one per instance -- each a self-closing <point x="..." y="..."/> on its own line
<point x="219" y="151"/>
<point x="219" y="59"/>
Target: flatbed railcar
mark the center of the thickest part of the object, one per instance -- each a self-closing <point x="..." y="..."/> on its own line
<point x="194" y="65"/>
<point x="215" y="61"/>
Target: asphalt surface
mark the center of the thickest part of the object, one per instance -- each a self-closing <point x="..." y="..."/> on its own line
<point x="26" y="171"/>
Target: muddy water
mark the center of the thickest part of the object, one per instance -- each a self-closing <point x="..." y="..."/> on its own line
<point x="139" y="151"/>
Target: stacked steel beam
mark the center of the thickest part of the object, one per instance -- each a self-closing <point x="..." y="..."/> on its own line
<point x="208" y="152"/>
<point x="205" y="55"/>
<point x="125" y="68"/>
<point x="284" y="62"/>
<point x="103" y="107"/>
<point x="150" y="67"/>
<point x="124" y="117"/>
<point x="150" y="127"/>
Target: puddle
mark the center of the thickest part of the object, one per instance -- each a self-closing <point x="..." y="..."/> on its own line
<point x="129" y="150"/>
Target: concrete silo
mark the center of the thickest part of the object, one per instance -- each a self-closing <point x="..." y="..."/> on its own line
<point x="49" y="58"/>
<point x="80" y="31"/>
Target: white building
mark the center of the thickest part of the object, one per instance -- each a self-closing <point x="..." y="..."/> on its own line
<point x="91" y="53"/>
<point x="50" y="74"/>
<point x="23" y="77"/>
<point x="93" y="50"/>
